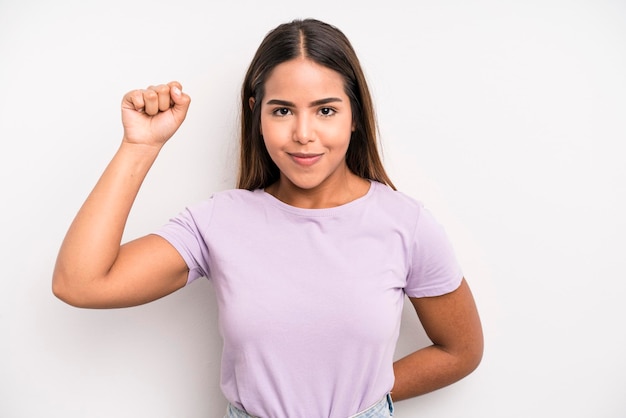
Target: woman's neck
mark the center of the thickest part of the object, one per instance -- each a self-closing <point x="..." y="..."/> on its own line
<point x="326" y="195"/>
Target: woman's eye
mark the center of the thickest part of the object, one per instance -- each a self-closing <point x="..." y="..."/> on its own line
<point x="327" y="111"/>
<point x="283" y="111"/>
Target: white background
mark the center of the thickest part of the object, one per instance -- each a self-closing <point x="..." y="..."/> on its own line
<point x="506" y="118"/>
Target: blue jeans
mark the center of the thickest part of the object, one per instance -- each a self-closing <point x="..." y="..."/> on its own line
<point x="381" y="409"/>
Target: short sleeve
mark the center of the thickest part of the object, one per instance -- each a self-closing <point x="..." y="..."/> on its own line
<point x="434" y="269"/>
<point x="186" y="232"/>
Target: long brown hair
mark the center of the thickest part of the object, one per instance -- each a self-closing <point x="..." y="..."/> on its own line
<point x="328" y="46"/>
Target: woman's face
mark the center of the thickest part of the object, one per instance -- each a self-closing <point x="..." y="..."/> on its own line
<point x="306" y="123"/>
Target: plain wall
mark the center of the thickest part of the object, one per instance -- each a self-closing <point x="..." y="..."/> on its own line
<point x="506" y="118"/>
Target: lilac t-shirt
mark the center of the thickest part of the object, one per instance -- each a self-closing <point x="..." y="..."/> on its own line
<point x="310" y="300"/>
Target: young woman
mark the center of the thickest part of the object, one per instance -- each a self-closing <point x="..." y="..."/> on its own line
<point x="311" y="256"/>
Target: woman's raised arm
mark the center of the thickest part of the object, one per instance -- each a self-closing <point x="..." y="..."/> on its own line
<point x="93" y="269"/>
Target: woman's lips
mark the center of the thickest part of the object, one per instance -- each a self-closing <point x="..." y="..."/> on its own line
<point x="305" y="159"/>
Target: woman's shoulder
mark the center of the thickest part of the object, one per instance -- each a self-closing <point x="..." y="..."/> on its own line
<point x="237" y="195"/>
<point x="395" y="199"/>
<point x="221" y="206"/>
<point x="228" y="199"/>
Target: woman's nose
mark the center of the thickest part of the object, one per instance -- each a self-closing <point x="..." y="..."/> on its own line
<point x="303" y="130"/>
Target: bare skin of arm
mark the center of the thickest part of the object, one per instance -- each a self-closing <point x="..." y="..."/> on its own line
<point x="452" y="323"/>
<point x="93" y="269"/>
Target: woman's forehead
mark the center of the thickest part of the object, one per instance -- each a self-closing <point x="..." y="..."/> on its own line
<point x="304" y="79"/>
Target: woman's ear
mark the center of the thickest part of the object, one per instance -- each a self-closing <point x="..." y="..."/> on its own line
<point x="251" y="103"/>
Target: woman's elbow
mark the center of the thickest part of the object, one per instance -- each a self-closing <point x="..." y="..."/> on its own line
<point x="64" y="289"/>
<point x="474" y="360"/>
<point x="61" y="290"/>
<point x="473" y="354"/>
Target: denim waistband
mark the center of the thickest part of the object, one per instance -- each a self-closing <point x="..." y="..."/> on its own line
<point x="381" y="409"/>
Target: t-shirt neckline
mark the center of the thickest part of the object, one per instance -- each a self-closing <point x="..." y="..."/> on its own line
<point x="335" y="210"/>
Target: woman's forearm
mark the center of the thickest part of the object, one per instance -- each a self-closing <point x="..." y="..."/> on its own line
<point x="426" y="370"/>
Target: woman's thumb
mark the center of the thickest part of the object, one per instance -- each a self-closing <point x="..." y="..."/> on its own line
<point x="181" y="101"/>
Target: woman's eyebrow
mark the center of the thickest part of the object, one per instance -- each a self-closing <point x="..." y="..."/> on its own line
<point x="325" y="101"/>
<point x="280" y="103"/>
<point x="315" y="103"/>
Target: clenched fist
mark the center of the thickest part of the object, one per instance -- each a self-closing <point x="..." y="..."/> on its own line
<point x="151" y="116"/>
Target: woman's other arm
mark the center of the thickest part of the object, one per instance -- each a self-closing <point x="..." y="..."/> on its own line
<point x="93" y="269"/>
<point x="452" y="323"/>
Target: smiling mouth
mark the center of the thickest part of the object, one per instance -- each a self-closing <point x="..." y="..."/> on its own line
<point x="305" y="159"/>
